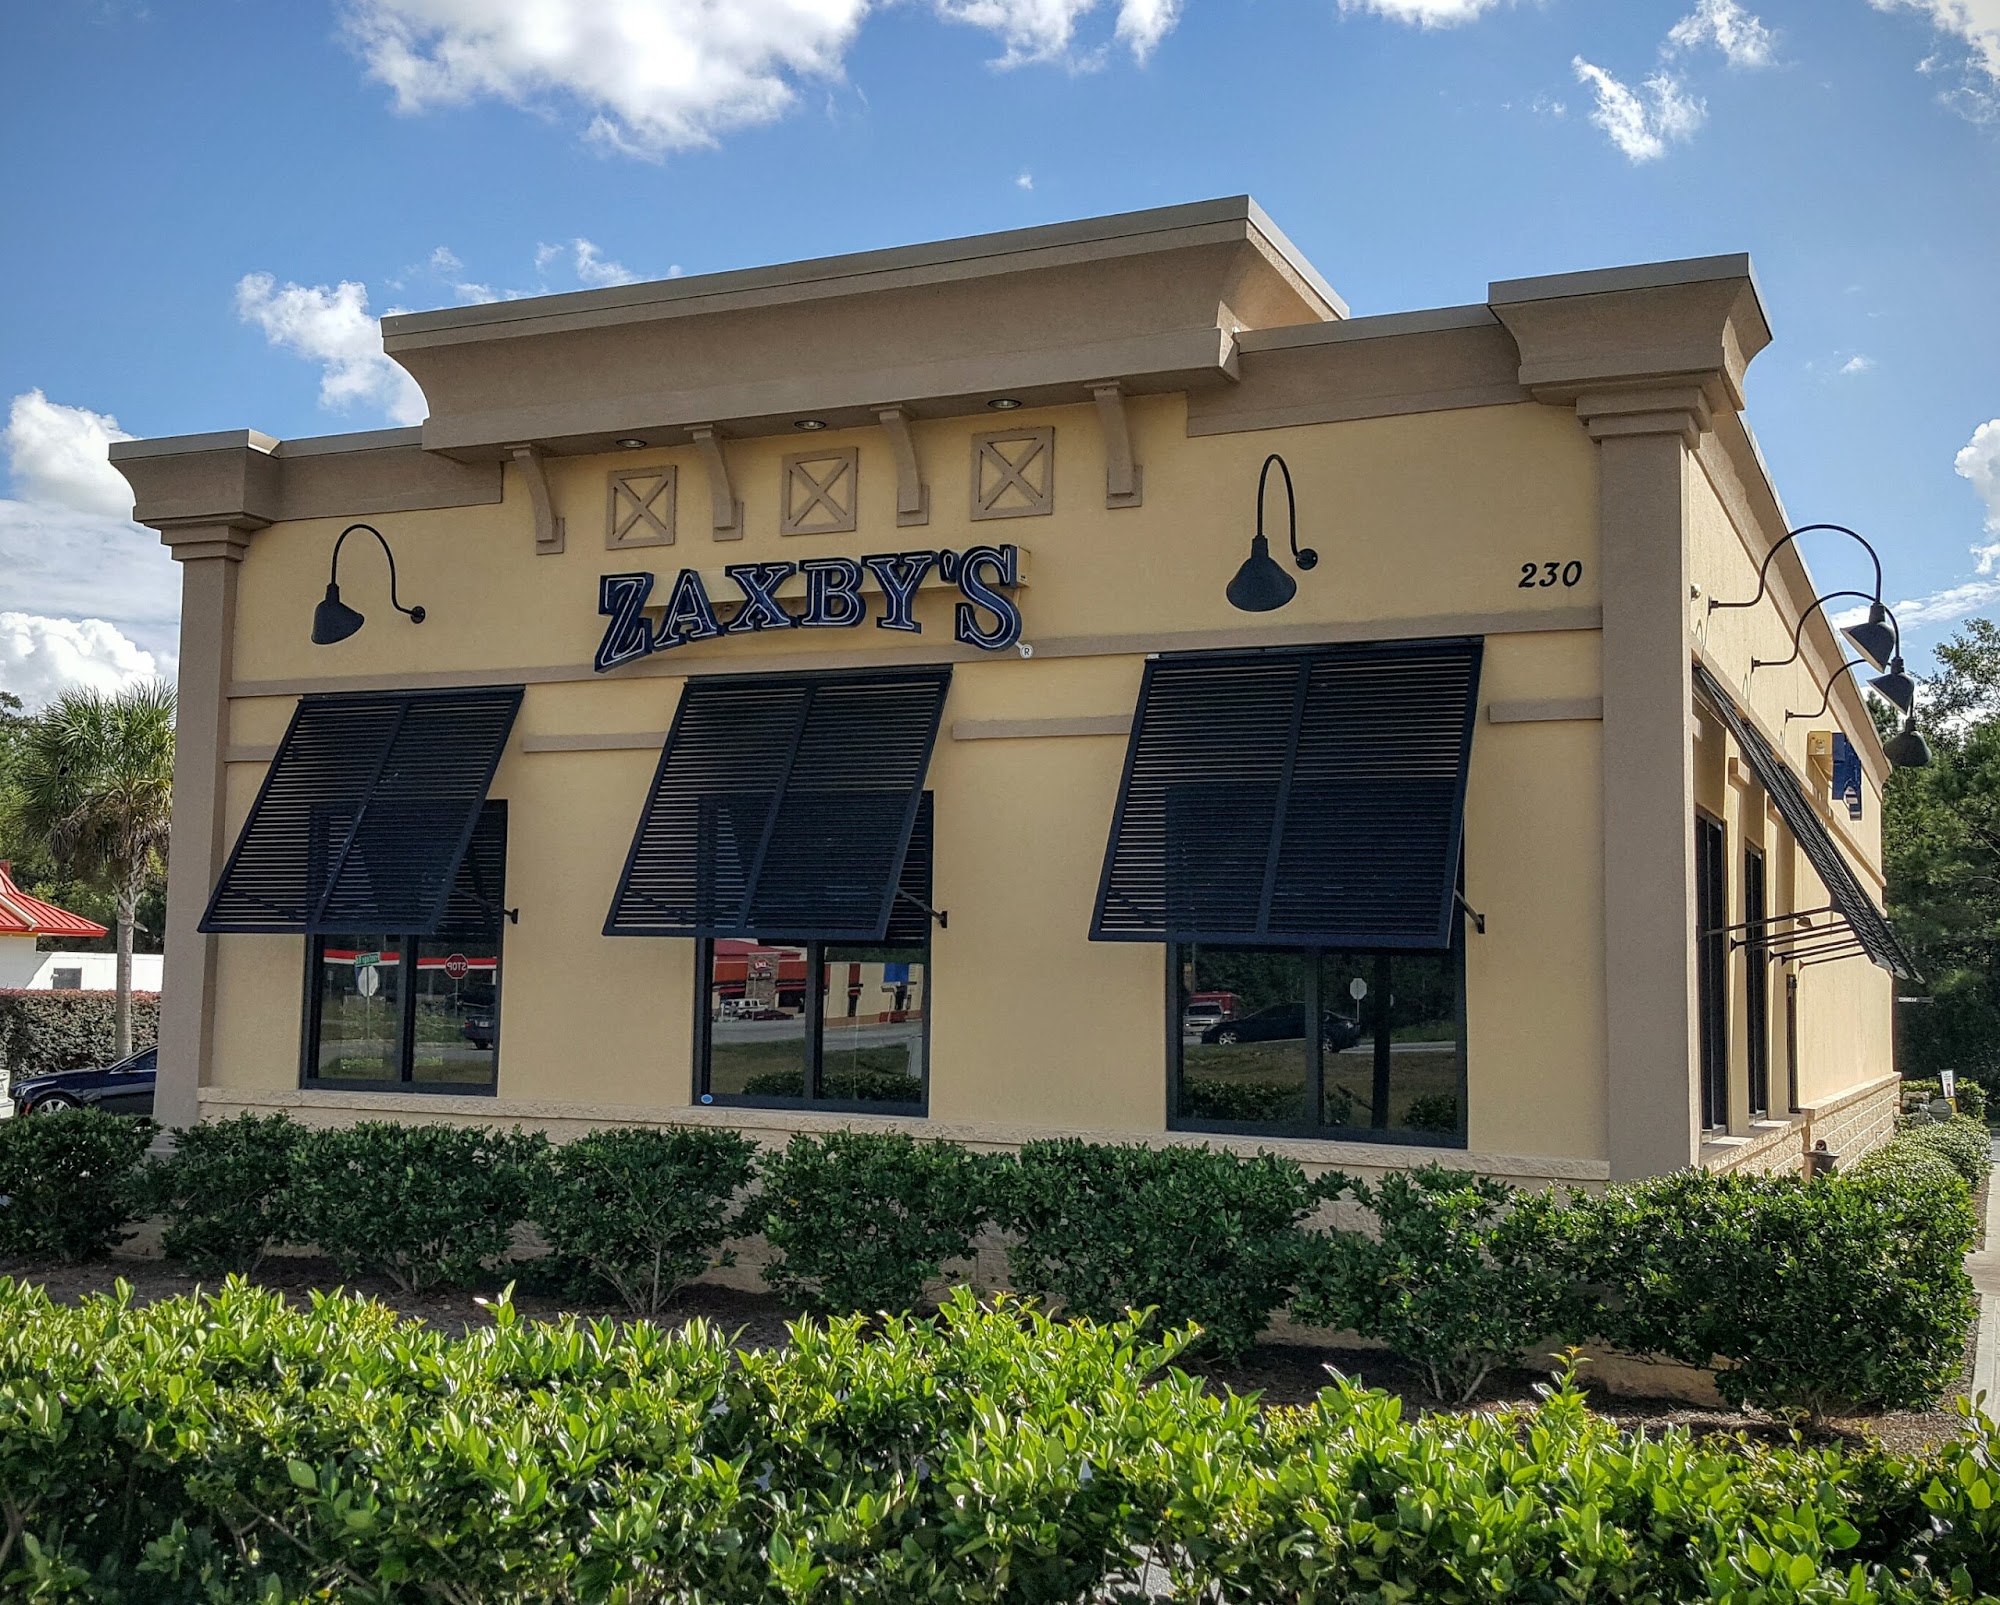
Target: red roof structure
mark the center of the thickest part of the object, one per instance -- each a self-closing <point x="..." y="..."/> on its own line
<point x="22" y="915"/>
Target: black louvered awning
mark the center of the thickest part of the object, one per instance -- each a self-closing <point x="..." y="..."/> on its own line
<point x="365" y="813"/>
<point x="1310" y="798"/>
<point x="783" y="807"/>
<point x="1873" y="935"/>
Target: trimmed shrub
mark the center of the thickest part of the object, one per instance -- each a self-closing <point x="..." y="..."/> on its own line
<point x="1241" y="1100"/>
<point x="641" y="1211"/>
<point x="237" y="1449"/>
<point x="42" y="1032"/>
<point x="421" y="1205"/>
<point x="70" y="1183"/>
<point x="861" y="1220"/>
<point x="1461" y="1274"/>
<point x="224" y="1191"/>
<point x="1198" y="1235"/>
<point x="1961" y="1142"/>
<point x="1807" y="1297"/>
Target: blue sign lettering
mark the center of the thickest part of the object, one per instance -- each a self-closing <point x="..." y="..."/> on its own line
<point x="987" y="616"/>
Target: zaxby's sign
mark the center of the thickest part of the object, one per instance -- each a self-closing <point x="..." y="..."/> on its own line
<point x="986" y="616"/>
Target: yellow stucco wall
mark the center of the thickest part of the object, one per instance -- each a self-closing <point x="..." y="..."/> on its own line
<point x="1845" y="1009"/>
<point x="1419" y="518"/>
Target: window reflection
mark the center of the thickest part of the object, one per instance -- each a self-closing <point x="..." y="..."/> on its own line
<point x="359" y="1008"/>
<point x="457" y="1022"/>
<point x="1388" y="1057"/>
<point x="757" y="1020"/>
<point x="872" y="1024"/>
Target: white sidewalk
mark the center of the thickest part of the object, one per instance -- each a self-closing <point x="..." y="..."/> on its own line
<point x="1984" y="1269"/>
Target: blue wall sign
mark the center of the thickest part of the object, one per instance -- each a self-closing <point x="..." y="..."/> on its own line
<point x="985" y="617"/>
<point x="1846" y="775"/>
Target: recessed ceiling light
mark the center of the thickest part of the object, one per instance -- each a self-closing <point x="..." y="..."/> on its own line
<point x="1003" y="404"/>
<point x="808" y="423"/>
<point x="632" y="443"/>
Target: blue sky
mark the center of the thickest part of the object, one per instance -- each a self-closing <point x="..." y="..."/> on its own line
<point x="208" y="203"/>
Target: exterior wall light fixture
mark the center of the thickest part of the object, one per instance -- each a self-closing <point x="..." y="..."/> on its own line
<point x="333" y="619"/>
<point x="1879" y="638"/>
<point x="1895" y="687"/>
<point x="1003" y="404"/>
<point x="1871" y="638"/>
<point x="1907" y="749"/>
<point x="630" y="443"/>
<point x="1260" y="584"/>
<point x="808" y="423"/>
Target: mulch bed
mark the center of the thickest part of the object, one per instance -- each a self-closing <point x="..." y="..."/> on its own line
<point x="1284" y="1374"/>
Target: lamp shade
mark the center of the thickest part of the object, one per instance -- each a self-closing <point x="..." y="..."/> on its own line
<point x="333" y="619"/>
<point x="1260" y="585"/>
<point x="1907" y="749"/>
<point x="1874" y="639"/>
<point x="1896" y="686"/>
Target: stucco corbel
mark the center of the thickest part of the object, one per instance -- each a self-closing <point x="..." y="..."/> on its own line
<point x="725" y="511"/>
<point x="1124" y="479"/>
<point x="913" y="496"/>
<point x="549" y="529"/>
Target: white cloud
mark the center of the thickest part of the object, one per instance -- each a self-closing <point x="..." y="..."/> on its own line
<point x="1857" y="364"/>
<point x="654" y="76"/>
<point x="1045" y="30"/>
<point x="1974" y="23"/>
<point x="1642" y="122"/>
<point x="1142" y="24"/>
<point x="333" y="328"/>
<point x="40" y="657"/>
<point x="1978" y="461"/>
<point x="1742" y="38"/>
<point x="1424" y="13"/>
<point x="68" y="547"/>
<point x="1024" y="180"/>
<point x="58" y="454"/>
<point x="596" y="270"/>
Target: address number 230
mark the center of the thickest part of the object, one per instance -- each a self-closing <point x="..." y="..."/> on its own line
<point x="1544" y="576"/>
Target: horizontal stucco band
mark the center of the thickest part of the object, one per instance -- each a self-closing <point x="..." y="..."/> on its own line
<point x="1545" y="709"/>
<point x="672" y="665"/>
<point x="775" y="1126"/>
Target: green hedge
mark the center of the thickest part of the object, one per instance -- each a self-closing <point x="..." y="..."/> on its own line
<point x="45" y="1031"/>
<point x="1200" y="1237"/>
<point x="235" y="1449"/>
<point x="1843" y="1294"/>
<point x="70" y="1183"/>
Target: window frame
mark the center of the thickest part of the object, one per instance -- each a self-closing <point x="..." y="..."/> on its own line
<point x="1316" y="1055"/>
<point x="405" y="943"/>
<point x="1756" y="981"/>
<point x="815" y="1038"/>
<point x="1711" y="957"/>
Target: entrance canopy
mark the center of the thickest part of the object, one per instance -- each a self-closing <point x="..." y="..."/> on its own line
<point x="783" y="806"/>
<point x="1286" y="798"/>
<point x="366" y="813"/>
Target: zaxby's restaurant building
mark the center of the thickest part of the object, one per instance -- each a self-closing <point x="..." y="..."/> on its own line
<point x="892" y="691"/>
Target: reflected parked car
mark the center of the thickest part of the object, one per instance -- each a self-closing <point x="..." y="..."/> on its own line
<point x="1198" y="1017"/>
<point x="124" y="1088"/>
<point x="478" y="1030"/>
<point x="1284" y="1022"/>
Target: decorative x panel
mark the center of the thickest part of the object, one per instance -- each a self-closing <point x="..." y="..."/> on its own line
<point x="639" y="508"/>
<point x="821" y="491"/>
<point x="1014" y="473"/>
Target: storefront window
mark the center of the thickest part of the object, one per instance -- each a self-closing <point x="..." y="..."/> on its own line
<point x="415" y="1013"/>
<point x="815" y="1022"/>
<point x="1387" y="1062"/>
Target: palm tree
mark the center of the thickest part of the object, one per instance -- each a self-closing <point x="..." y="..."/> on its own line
<point x="96" y="778"/>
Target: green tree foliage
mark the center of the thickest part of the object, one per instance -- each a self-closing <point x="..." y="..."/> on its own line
<point x="94" y="775"/>
<point x="70" y="1183"/>
<point x="1941" y="838"/>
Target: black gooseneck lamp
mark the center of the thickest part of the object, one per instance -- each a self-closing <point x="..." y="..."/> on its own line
<point x="1260" y="584"/>
<point x="1878" y="638"/>
<point x="1872" y="638"/>
<point x="1907" y="749"/>
<point x="333" y="619"/>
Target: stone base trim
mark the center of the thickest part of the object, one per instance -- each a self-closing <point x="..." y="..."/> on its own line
<point x="1851" y="1124"/>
